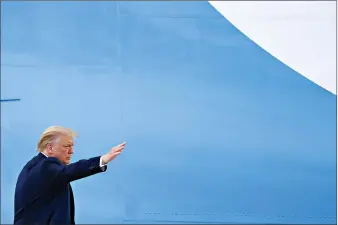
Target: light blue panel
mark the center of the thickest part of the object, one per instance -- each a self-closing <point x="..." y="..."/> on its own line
<point x="217" y="130"/>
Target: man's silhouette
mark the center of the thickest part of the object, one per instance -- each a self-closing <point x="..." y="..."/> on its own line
<point x="43" y="193"/>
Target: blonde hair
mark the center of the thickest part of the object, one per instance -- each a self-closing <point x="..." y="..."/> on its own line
<point x="52" y="134"/>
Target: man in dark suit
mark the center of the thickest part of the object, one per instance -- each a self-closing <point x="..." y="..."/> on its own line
<point x="43" y="193"/>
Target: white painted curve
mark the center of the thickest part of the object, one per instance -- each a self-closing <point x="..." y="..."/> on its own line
<point x="300" y="34"/>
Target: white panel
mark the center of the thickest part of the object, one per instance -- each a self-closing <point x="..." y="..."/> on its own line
<point x="300" y="34"/>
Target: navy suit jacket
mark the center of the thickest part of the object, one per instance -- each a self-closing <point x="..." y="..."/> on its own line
<point x="43" y="194"/>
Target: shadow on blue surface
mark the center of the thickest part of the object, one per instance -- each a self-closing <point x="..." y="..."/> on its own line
<point x="217" y="130"/>
<point x="10" y="100"/>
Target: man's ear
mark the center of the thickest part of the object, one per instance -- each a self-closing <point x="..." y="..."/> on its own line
<point x="49" y="148"/>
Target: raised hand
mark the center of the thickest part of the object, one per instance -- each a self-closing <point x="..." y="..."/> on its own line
<point x="113" y="153"/>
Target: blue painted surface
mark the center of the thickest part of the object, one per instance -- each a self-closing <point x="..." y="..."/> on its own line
<point x="217" y="130"/>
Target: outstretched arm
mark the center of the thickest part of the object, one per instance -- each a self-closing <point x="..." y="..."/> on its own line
<point x="61" y="174"/>
<point x="58" y="173"/>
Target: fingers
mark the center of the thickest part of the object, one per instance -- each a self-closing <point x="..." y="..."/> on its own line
<point x="119" y="148"/>
<point x="116" y="154"/>
<point x="121" y="145"/>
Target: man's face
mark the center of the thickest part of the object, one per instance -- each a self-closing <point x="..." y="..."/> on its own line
<point x="63" y="149"/>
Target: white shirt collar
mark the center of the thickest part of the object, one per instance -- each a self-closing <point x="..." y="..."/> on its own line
<point x="44" y="154"/>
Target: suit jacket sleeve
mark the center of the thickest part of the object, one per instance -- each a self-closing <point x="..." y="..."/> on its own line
<point x="58" y="173"/>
